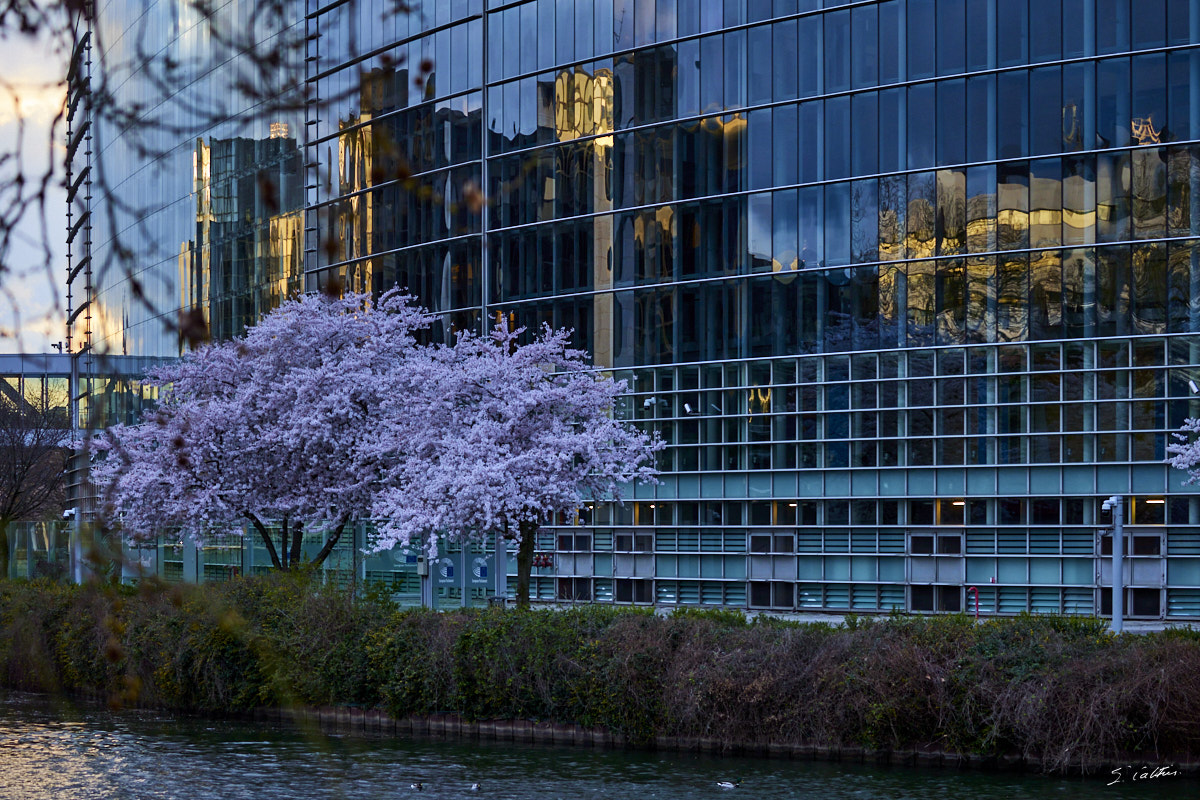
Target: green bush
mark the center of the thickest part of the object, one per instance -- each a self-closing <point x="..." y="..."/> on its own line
<point x="1059" y="689"/>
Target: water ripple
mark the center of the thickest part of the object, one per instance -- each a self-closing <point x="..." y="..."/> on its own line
<point x="50" y="748"/>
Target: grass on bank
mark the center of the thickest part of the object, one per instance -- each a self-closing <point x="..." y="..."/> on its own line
<point x="1058" y="689"/>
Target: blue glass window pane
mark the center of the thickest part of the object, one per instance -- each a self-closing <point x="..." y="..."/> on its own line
<point x="1112" y="103"/>
<point x="865" y="41"/>
<point x="1012" y="33"/>
<point x="837" y="137"/>
<point x="623" y="24"/>
<point x="837" y="224"/>
<point x="687" y="17"/>
<point x="812" y="237"/>
<point x="602" y="30"/>
<point x="951" y="106"/>
<point x="666" y="20"/>
<point x="735" y="69"/>
<point x="921" y="107"/>
<point x="1078" y="123"/>
<point x="864" y="134"/>
<point x="1149" y="101"/>
<point x="529" y="55"/>
<point x="837" y="51"/>
<point x="759" y="237"/>
<point x="810" y="132"/>
<point x="786" y="143"/>
<point x="688" y="78"/>
<point x="735" y="12"/>
<point x="1012" y="111"/>
<point x="809" y="55"/>
<point x="785" y="213"/>
<point x="760" y="149"/>
<point x="643" y="26"/>
<point x="980" y="31"/>
<point x="1183" y="71"/>
<point x="784" y="68"/>
<point x="1074" y="32"/>
<point x="760" y="84"/>
<point x="710" y="16"/>
<point x="892" y="149"/>
<point x="512" y="55"/>
<point x="1046" y="111"/>
<point x="864" y="220"/>
<point x="495" y="49"/>
<point x="921" y="42"/>
<point x="564" y="15"/>
<point x="891" y="43"/>
<point x="1045" y="37"/>
<point x="712" y="74"/>
<point x="1112" y="26"/>
<point x="585" y="46"/>
<point x="980" y="110"/>
<point x="951" y="36"/>
<point x="546" y="34"/>
<point x="1180" y="14"/>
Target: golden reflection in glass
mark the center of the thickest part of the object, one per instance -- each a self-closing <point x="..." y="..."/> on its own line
<point x="1045" y="291"/>
<point x="981" y="299"/>
<point x="922" y="299"/>
<point x="1078" y="209"/>
<point x="1045" y="215"/>
<point x="891" y="299"/>
<point x="246" y="257"/>
<point x="1143" y="130"/>
<point x="1148" y="191"/>
<point x="892" y="200"/>
<point x="583" y="105"/>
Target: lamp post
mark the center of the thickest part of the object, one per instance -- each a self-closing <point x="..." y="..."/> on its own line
<point x="1116" y="504"/>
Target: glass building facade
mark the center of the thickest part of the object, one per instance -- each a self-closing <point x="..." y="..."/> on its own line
<point x="908" y="286"/>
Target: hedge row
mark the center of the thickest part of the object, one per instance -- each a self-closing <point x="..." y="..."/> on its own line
<point x="1057" y="689"/>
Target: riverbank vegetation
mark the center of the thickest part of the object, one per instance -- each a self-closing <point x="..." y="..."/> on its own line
<point x="1058" y="690"/>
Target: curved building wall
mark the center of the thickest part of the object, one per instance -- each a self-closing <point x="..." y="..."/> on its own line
<point x="907" y="285"/>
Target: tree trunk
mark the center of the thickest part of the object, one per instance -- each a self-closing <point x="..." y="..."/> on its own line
<point x="284" y="548"/>
<point x="3" y="549"/>
<point x="266" y="537"/>
<point x="526" y="545"/>
<point x="297" y="543"/>
<point x="330" y="543"/>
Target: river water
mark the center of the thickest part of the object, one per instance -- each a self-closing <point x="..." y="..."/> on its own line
<point x="64" y="750"/>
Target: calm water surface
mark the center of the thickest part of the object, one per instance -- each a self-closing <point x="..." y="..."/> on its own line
<point x="58" y="749"/>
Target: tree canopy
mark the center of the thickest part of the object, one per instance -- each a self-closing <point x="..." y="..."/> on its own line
<point x="269" y="427"/>
<point x="508" y="436"/>
<point x="329" y="411"/>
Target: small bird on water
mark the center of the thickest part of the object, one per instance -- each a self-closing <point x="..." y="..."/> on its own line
<point x="420" y="787"/>
<point x="729" y="784"/>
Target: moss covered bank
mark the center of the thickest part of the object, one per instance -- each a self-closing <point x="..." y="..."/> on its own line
<point x="1058" y="692"/>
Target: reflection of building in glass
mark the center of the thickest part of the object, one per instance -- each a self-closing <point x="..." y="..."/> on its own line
<point x="246" y="255"/>
<point x="906" y="285"/>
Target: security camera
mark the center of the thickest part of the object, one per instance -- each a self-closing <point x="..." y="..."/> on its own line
<point x="1192" y="385"/>
<point x="68" y="513"/>
<point x="1107" y="505"/>
<point x="687" y="408"/>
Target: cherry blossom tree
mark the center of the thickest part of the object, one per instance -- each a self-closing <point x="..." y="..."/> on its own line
<point x="489" y="435"/>
<point x="268" y="427"/>
<point x="1185" y="452"/>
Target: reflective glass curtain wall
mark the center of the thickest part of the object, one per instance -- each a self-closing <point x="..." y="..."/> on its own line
<point x="907" y="285"/>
